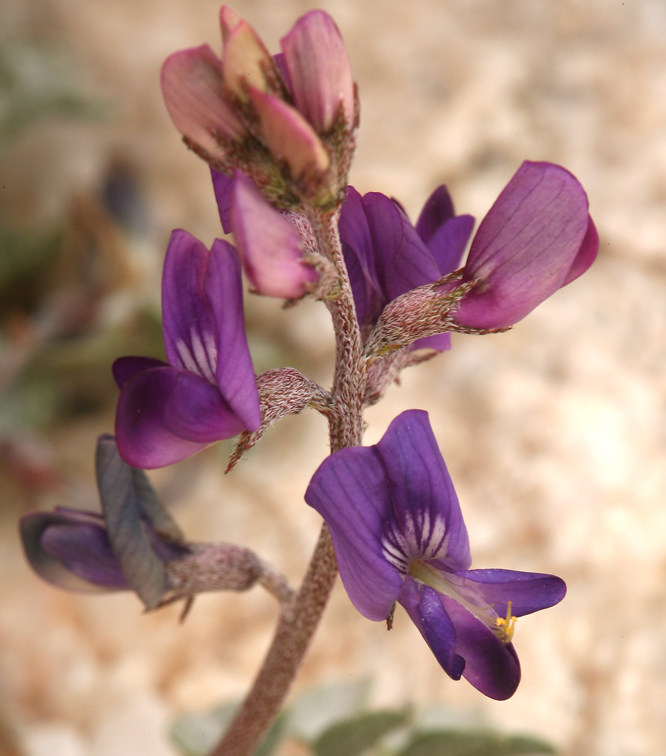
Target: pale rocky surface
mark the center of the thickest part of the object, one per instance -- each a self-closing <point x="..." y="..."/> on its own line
<point x="554" y="433"/>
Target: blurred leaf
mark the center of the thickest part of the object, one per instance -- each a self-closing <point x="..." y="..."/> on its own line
<point x="197" y="734"/>
<point x="36" y="82"/>
<point x="22" y="254"/>
<point x="354" y="736"/>
<point x="460" y="743"/>
<point x="319" y="708"/>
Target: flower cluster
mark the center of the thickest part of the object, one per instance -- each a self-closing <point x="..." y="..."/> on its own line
<point x="279" y="133"/>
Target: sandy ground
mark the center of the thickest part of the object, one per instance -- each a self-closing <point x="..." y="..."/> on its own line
<point x="554" y="433"/>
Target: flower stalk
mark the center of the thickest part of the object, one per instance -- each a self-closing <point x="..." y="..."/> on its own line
<point x="300" y="618"/>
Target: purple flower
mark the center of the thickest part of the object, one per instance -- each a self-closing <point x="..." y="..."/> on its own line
<point x="399" y="535"/>
<point x="206" y="391"/>
<point x="386" y="256"/>
<point x="71" y="549"/>
<point x="536" y="238"/>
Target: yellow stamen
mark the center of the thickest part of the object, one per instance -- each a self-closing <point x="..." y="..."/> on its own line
<point x="506" y="626"/>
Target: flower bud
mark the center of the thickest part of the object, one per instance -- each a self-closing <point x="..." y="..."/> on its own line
<point x="192" y="89"/>
<point x="318" y="71"/>
<point x="289" y="136"/>
<point x="270" y="246"/>
<point x="245" y="61"/>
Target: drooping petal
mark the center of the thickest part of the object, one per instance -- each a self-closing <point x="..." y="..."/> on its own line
<point x="222" y="187"/>
<point x="144" y="441"/>
<point x="71" y="550"/>
<point x="349" y="490"/>
<point x="318" y="71"/>
<point x="269" y="244"/>
<point x="195" y="411"/>
<point x="190" y="338"/>
<point x="428" y="614"/>
<point x="289" y="136"/>
<point x="424" y="520"/>
<point x="235" y="373"/>
<point x="192" y="90"/>
<point x="527" y="591"/>
<point x="490" y="666"/>
<point x="525" y="246"/>
<point x="125" y="368"/>
<point x="587" y="254"/>
<point x="437" y="210"/>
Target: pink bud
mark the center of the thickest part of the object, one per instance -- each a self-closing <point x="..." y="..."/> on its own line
<point x="192" y="89"/>
<point x="318" y="71"/>
<point x="269" y="245"/>
<point x="245" y="60"/>
<point x="229" y="20"/>
<point x="289" y="136"/>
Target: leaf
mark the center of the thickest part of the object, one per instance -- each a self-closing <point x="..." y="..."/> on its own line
<point x="474" y="743"/>
<point x="197" y="734"/>
<point x="318" y="708"/>
<point x="354" y="736"/>
<point x="124" y="504"/>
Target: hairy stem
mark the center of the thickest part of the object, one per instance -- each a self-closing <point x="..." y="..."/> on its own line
<point x="301" y="616"/>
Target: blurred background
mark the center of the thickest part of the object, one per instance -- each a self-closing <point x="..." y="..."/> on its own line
<point x="555" y="433"/>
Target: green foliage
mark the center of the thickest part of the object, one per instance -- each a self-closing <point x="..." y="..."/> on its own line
<point x="36" y="82"/>
<point x="473" y="743"/>
<point x="332" y="720"/>
<point x="353" y="737"/>
<point x="196" y="734"/>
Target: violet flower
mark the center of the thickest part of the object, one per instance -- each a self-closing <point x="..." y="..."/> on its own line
<point x="399" y="535"/>
<point x="536" y="238"/>
<point x="71" y="549"/>
<point x="386" y="256"/>
<point x="206" y="391"/>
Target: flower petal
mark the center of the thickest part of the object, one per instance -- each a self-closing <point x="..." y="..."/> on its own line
<point x="289" y="136"/>
<point x="449" y="241"/>
<point x="195" y="411"/>
<point x="222" y="186"/>
<point x="270" y="246"/>
<point x="349" y="490"/>
<point x="192" y="89"/>
<point x="527" y="591"/>
<point x="190" y="338"/>
<point x="71" y="550"/>
<point x="245" y="59"/>
<point x="235" y="373"/>
<point x="125" y="368"/>
<point x="402" y="260"/>
<point x="426" y="611"/>
<point x="441" y="342"/>
<point x="360" y="259"/>
<point x="424" y="518"/>
<point x="318" y="71"/>
<point x="143" y="439"/>
<point x="587" y="254"/>
<point x="490" y="666"/>
<point x="525" y="246"/>
<point x="437" y="210"/>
